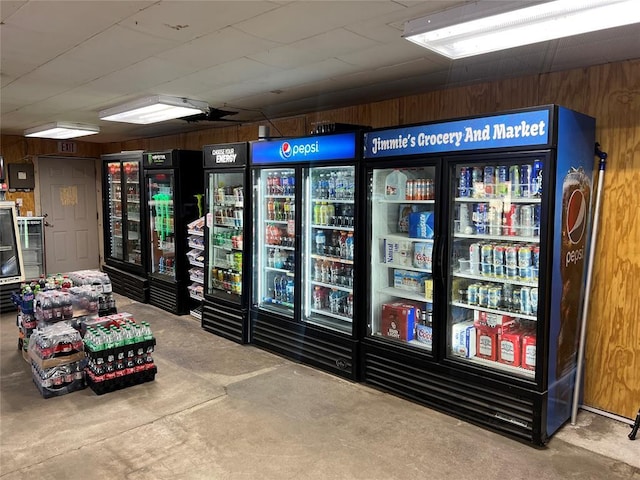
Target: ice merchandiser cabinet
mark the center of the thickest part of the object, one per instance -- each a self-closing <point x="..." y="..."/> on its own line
<point x="305" y="249"/>
<point x="478" y="238"/>
<point x="227" y="258"/>
<point x="125" y="242"/>
<point x="174" y="185"/>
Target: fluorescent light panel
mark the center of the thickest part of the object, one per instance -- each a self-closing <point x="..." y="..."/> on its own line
<point x="62" y="130"/>
<point x="533" y="24"/>
<point x="157" y="108"/>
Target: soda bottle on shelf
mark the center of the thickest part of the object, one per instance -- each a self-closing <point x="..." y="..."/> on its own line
<point x="56" y="307"/>
<point x="331" y="186"/>
<point x="317" y="298"/>
<point x="289" y="291"/>
<point x="350" y="246"/>
<point x="320" y="242"/>
<point x="270" y="210"/>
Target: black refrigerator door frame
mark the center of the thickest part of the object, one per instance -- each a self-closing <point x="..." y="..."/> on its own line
<point x="177" y="227"/>
<point x="247" y="238"/>
<point x="466" y="369"/>
<point x="420" y="355"/>
<point x="114" y="262"/>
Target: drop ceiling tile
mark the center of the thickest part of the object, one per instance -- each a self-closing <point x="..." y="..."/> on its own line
<point x="395" y="52"/>
<point x="216" y="48"/>
<point x="140" y="76"/>
<point x="314" y="49"/>
<point x="185" y="21"/>
<point x="80" y="98"/>
<point x="306" y="19"/>
<point x="8" y="8"/>
<point x="30" y="90"/>
<point x="236" y="71"/>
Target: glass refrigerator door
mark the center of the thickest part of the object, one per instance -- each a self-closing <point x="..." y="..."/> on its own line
<point x="160" y="189"/>
<point x="114" y="209"/>
<point x="10" y="259"/>
<point x="493" y="277"/>
<point x="401" y="213"/>
<point x="328" y="246"/>
<point x="32" y="242"/>
<point x="134" y="225"/>
<point x="226" y="232"/>
<point x="274" y="248"/>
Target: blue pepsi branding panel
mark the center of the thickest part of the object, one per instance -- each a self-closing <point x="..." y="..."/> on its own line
<point x="225" y="155"/>
<point x="308" y="149"/>
<point x="572" y="229"/>
<point x="500" y="131"/>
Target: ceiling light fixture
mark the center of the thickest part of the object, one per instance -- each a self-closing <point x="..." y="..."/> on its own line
<point x="477" y="28"/>
<point x="157" y="108"/>
<point x="61" y="130"/>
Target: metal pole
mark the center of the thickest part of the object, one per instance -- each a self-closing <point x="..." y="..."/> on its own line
<point x="585" y="307"/>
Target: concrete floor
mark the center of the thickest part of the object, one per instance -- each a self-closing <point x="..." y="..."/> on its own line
<point x="218" y="410"/>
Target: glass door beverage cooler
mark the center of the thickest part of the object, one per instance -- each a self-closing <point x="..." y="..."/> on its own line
<point x="305" y="241"/>
<point x="125" y="242"/>
<point x="11" y="265"/>
<point x="174" y="184"/>
<point x="227" y="234"/>
<point x="477" y="265"/>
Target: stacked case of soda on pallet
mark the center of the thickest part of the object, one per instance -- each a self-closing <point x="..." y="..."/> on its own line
<point x="119" y="351"/>
<point x="57" y="357"/>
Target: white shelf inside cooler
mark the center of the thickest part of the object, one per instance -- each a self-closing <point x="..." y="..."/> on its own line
<point x="526" y="200"/>
<point x="196" y="246"/>
<point x="488" y="278"/>
<point x="405" y="267"/>
<point x="333" y="286"/>
<point x="198" y="233"/>
<point x="427" y="202"/>
<point x="504" y="238"/>
<point x="197" y="280"/>
<point x="229" y="203"/>
<point x="404" y="236"/>
<point x="332" y="259"/>
<point x="281" y="222"/>
<point x="348" y="201"/>
<point x="498" y="366"/>
<point x="281" y="247"/>
<point x="229" y="246"/>
<point x="408" y="294"/>
<point x="280" y="270"/>
<point x="493" y="310"/>
<point x="196" y="263"/>
<point x="327" y="313"/>
<point x="416" y="343"/>
<point x="280" y="196"/>
<point x="332" y="227"/>
<point x="196" y="297"/>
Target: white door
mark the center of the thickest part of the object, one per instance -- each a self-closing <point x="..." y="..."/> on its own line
<point x="68" y="199"/>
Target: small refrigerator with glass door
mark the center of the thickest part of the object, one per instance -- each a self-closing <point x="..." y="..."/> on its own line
<point x="173" y="181"/>
<point x="227" y="233"/>
<point x="304" y="294"/>
<point x="125" y="242"/>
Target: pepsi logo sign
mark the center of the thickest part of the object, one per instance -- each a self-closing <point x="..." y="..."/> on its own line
<point x="576" y="217"/>
<point x="285" y="150"/>
<point x="288" y="151"/>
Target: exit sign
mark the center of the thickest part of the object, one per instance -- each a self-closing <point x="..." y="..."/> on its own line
<point x="67" y="147"/>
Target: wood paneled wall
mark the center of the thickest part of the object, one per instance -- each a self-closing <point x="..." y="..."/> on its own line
<point x="611" y="94"/>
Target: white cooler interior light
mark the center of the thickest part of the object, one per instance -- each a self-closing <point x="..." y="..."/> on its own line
<point x="537" y="23"/>
<point x="61" y="130"/>
<point x="154" y="109"/>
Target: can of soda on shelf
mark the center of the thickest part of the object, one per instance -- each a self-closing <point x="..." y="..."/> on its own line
<point x="526" y="172"/>
<point x="409" y="191"/>
<point x="487" y="259"/>
<point x="502" y="176"/>
<point x="511" y="261"/>
<point x="536" y="220"/>
<point x="479" y="218"/>
<point x="489" y="180"/>
<point x="510" y="220"/>
<point x="515" y="300"/>
<point x="495" y="220"/>
<point x="524" y="262"/>
<point x="527" y="221"/>
<point x="483" y="295"/>
<point x="525" y="300"/>
<point x="477" y="182"/>
<point x="535" y="188"/>
<point x="535" y="255"/>
<point x="507" y="296"/>
<point x="514" y="176"/>
<point x="464" y="182"/>
<point x="494" y="297"/>
<point x="464" y="219"/>
<point x="474" y="258"/>
<point x="472" y="294"/>
<point x="533" y="296"/>
<point x="498" y="261"/>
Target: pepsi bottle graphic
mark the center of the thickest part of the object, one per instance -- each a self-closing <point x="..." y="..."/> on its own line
<point x="576" y="196"/>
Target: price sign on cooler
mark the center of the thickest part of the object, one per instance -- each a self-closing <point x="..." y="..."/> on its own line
<point x="291" y="227"/>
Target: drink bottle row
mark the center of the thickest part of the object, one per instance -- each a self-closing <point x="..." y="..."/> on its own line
<point x="231" y="216"/>
<point x="335" y="244"/>
<point x="281" y="183"/>
<point x="228" y="239"/>
<point x="334" y="273"/>
<point x="508" y="298"/>
<point x="281" y="259"/>
<point x="332" y="300"/>
<point x="518" y="181"/>
<point x="226" y="280"/>
<point x="325" y="213"/>
<point x="280" y="210"/>
<point x="498" y="219"/>
<point x="283" y="290"/>
<point x="334" y="185"/>
<point x="420" y="189"/>
<point x="230" y="195"/>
